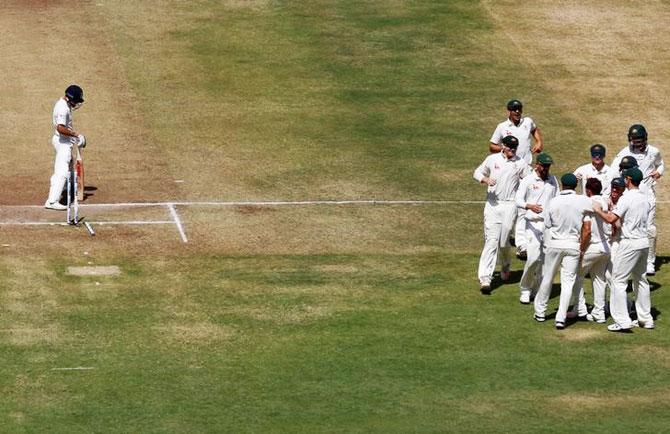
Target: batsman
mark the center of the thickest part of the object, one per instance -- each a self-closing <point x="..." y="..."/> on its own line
<point x="63" y="141"/>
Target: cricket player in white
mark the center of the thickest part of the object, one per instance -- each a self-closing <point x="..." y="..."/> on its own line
<point x="651" y="165"/>
<point x="501" y="172"/>
<point x="631" y="257"/>
<point x="596" y="169"/>
<point x="63" y="139"/>
<point x="534" y="193"/>
<point x="613" y="231"/>
<point x="524" y="129"/>
<point x="596" y="257"/>
<point x="564" y="219"/>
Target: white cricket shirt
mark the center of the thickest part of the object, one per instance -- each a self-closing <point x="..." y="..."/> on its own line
<point x="523" y="132"/>
<point x="633" y="210"/>
<point x="583" y="173"/>
<point x="600" y="230"/>
<point x="647" y="162"/>
<point x="564" y="218"/>
<point x="535" y="190"/>
<point x="506" y="172"/>
<point x="62" y="115"/>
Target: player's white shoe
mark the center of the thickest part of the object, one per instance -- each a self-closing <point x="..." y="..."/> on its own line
<point x="616" y="327"/>
<point x="524" y="298"/>
<point x="651" y="270"/>
<point x="649" y="325"/>
<point x="54" y="205"/>
<point x="595" y="318"/>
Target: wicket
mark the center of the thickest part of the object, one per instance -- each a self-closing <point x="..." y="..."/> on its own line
<point x="72" y="199"/>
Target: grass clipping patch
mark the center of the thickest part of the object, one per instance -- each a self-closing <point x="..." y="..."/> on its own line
<point x="96" y="270"/>
<point x="591" y="403"/>
<point x="198" y="333"/>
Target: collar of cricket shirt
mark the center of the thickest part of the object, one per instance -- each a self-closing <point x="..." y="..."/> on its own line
<point x="598" y="171"/>
<point x="510" y="123"/>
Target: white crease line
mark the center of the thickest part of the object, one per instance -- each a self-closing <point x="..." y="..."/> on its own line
<point x="331" y="202"/>
<point x="276" y="203"/>
<point x="268" y="203"/>
<point x="101" y="223"/>
<point x="133" y="222"/>
<point x="77" y="368"/>
<point x="177" y="221"/>
<point x="33" y="224"/>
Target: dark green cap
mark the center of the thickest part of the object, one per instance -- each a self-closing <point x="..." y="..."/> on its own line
<point x="569" y="180"/>
<point x="511" y="142"/>
<point x="634" y="174"/>
<point x="636" y="132"/>
<point x="627" y="162"/>
<point x="598" y="150"/>
<point x="544" y="159"/>
<point x="618" y="182"/>
<point x="514" y="104"/>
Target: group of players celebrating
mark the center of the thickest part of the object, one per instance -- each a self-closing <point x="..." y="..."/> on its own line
<point x="608" y="231"/>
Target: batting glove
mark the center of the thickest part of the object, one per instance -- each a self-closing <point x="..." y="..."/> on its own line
<point x="82" y="140"/>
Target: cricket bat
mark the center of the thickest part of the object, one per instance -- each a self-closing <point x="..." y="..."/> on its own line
<point x="79" y="168"/>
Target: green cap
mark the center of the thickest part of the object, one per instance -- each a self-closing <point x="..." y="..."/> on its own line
<point x="514" y="104"/>
<point x="510" y="142"/>
<point x="569" y="180"/>
<point x="544" y="159"/>
<point x="627" y="162"/>
<point x="634" y="174"/>
<point x="618" y="182"/>
<point x="637" y="131"/>
<point x="598" y="150"/>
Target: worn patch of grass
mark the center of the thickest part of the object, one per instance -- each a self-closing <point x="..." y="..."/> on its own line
<point x="290" y="343"/>
<point x="324" y="99"/>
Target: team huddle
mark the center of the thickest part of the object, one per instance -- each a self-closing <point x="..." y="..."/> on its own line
<point x="607" y="232"/>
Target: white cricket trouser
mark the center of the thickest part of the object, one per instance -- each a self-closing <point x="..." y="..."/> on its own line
<point x="533" y="265"/>
<point x="496" y="236"/>
<point x="61" y="168"/>
<point x="568" y="260"/>
<point x="614" y="248"/>
<point x="520" y="237"/>
<point x="651" y="229"/>
<point x="632" y="262"/>
<point x="595" y="262"/>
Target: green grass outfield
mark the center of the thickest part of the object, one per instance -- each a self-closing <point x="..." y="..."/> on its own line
<point x="347" y="319"/>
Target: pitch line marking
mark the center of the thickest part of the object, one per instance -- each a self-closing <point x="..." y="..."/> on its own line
<point x="101" y="223"/>
<point x="76" y="368"/>
<point x="278" y="203"/>
<point x="268" y="203"/>
<point x="177" y="221"/>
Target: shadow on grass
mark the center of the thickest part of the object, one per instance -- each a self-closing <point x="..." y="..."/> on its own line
<point x="661" y="261"/>
<point x="655" y="313"/>
<point x="653" y="286"/>
<point x="514" y="279"/>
